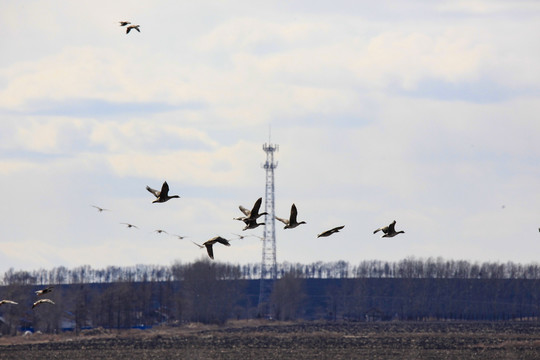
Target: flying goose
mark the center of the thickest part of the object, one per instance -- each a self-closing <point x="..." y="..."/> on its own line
<point x="241" y="237"/>
<point x="211" y="242"/>
<point x="291" y="223"/>
<point x="251" y="224"/>
<point x="330" y="232"/>
<point x="100" y="209"/>
<point x="124" y="23"/>
<point x="252" y="214"/>
<point x="159" y="231"/>
<point x="136" y="27"/>
<point x="389" y="231"/>
<point x="2" y="302"/>
<point x="130" y="225"/>
<point x="163" y="195"/>
<point x="181" y="237"/>
<point x="42" y="301"/>
<point x="45" y="291"/>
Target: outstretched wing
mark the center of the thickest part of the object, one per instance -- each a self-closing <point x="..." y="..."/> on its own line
<point x="391" y="228"/>
<point x="294" y="213"/>
<point x="164" y="190"/>
<point x="153" y="191"/>
<point x="221" y="240"/>
<point x="201" y="246"/>
<point x="244" y="210"/>
<point x="256" y="206"/>
<point x="285" y="221"/>
<point x="210" y="251"/>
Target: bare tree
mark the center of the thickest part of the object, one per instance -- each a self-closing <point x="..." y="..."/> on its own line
<point x="288" y="295"/>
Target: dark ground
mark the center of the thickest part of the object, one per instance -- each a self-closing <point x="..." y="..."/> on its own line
<point x="272" y="340"/>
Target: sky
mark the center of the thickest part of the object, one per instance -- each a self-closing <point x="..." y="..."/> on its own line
<point x="423" y="112"/>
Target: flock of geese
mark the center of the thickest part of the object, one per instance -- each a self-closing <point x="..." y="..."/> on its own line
<point x="36" y="303"/>
<point x="250" y="220"/>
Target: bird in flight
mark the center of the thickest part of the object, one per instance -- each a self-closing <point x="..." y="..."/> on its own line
<point x="136" y="27"/>
<point x="130" y="225"/>
<point x="163" y="195"/>
<point x="100" y="209"/>
<point x="291" y="222"/>
<point x="241" y="237"/>
<point x="181" y="237"/>
<point x="124" y="23"/>
<point x="330" y="232"/>
<point x="42" y="301"/>
<point x="252" y="214"/>
<point x="389" y="231"/>
<point x="2" y="302"/>
<point x="251" y="224"/>
<point x="159" y="231"/>
<point x="211" y="242"/>
<point x="45" y="291"/>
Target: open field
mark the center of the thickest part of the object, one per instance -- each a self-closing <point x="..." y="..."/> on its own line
<point x="273" y="340"/>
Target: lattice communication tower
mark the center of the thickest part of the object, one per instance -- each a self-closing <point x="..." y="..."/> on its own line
<point x="268" y="265"/>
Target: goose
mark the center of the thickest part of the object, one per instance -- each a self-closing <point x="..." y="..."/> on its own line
<point x="2" y="302"/>
<point x="211" y="242"/>
<point x="252" y="214"/>
<point x="163" y="195"/>
<point x="136" y="27"/>
<point x="330" y="232"/>
<point x="100" y="209"/>
<point x="124" y="23"/>
<point x="180" y="237"/>
<point x="251" y="224"/>
<point x="42" y="301"/>
<point x="45" y="291"/>
<point x="291" y="223"/>
<point x="130" y="225"/>
<point x="241" y="237"/>
<point x="389" y="231"/>
<point x="159" y="231"/>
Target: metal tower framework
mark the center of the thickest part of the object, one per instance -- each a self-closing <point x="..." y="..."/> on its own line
<point x="268" y="265"/>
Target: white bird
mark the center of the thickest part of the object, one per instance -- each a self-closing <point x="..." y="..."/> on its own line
<point x="241" y="237"/>
<point x="2" y="302"/>
<point x="291" y="223"/>
<point x="163" y="195"/>
<point x="211" y="242"/>
<point x="330" y="232"/>
<point x="136" y="27"/>
<point x="42" y="301"/>
<point x="100" y="209"/>
<point x="389" y="231"/>
<point x="45" y="291"/>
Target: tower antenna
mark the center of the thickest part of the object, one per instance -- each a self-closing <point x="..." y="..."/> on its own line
<point x="268" y="265"/>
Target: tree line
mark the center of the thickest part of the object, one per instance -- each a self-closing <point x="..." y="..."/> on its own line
<point x="213" y="292"/>
<point x="431" y="268"/>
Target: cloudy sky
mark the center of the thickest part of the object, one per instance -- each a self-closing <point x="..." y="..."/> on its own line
<point x="423" y="112"/>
